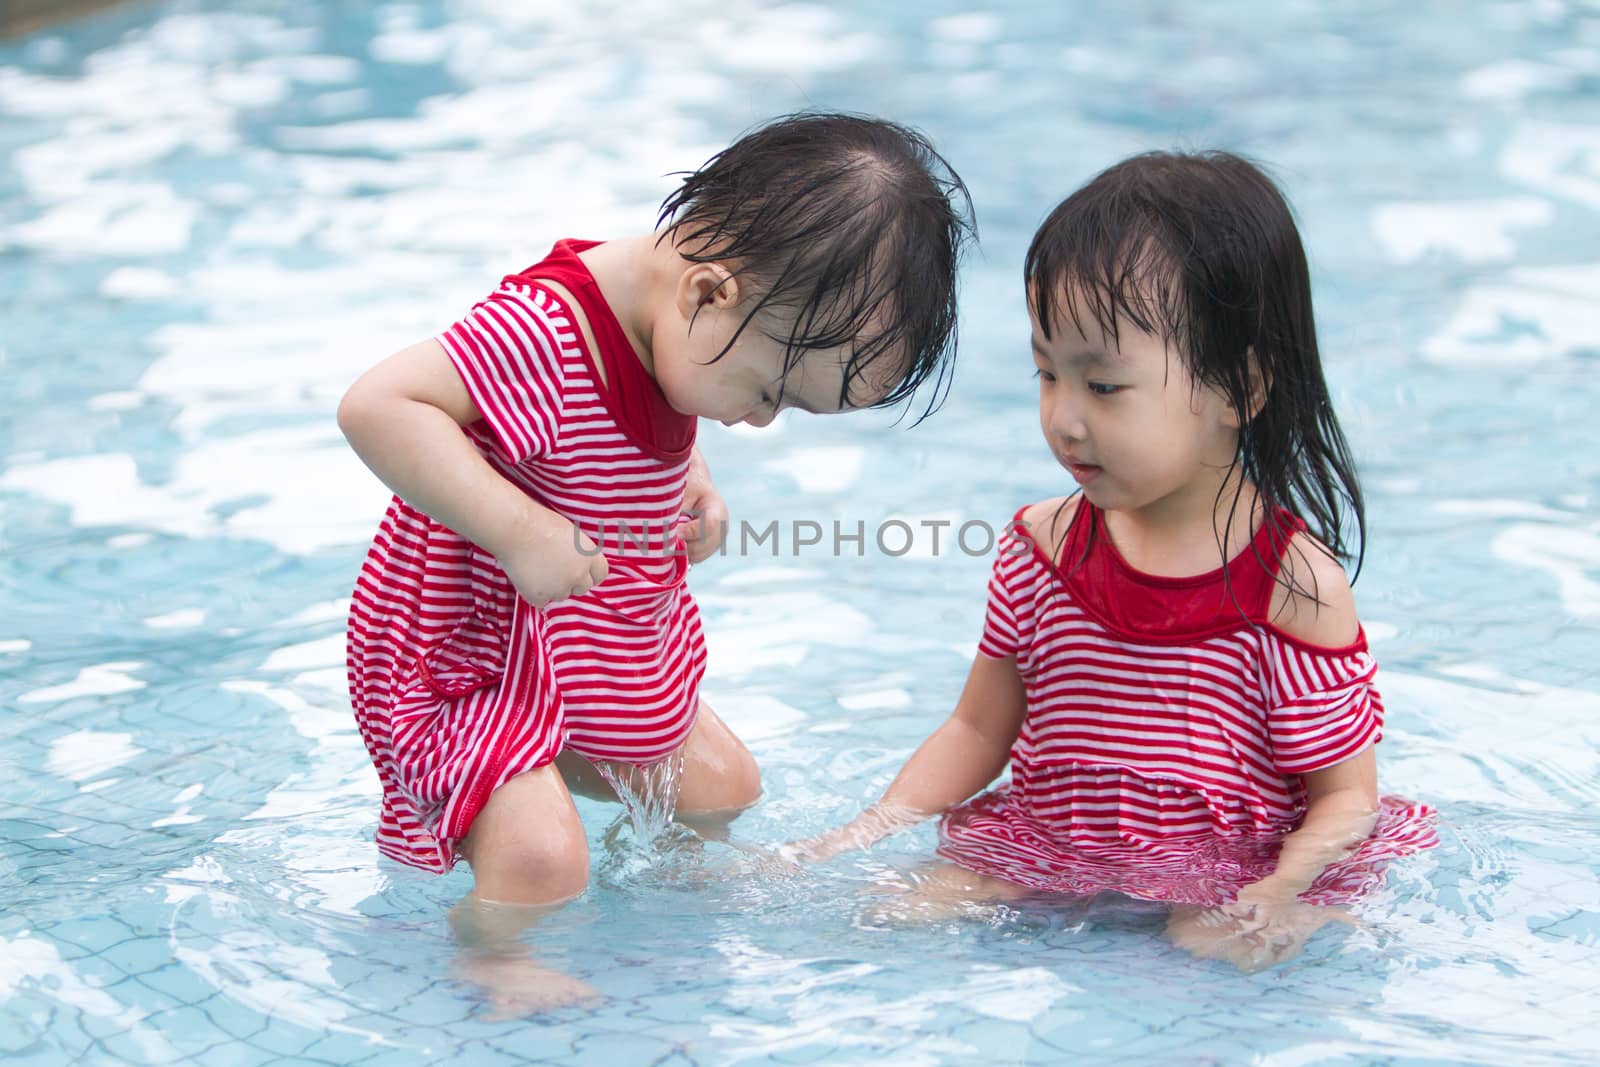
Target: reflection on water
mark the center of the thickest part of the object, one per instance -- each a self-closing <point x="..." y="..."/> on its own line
<point x="214" y="217"/>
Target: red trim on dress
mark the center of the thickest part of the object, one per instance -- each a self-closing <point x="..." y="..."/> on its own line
<point x="1160" y="609"/>
<point x="629" y="392"/>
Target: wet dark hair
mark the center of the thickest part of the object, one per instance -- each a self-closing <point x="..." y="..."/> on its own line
<point x="1202" y="249"/>
<point x="848" y="228"/>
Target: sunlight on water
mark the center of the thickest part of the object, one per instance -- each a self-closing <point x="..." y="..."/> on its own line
<point x="214" y="218"/>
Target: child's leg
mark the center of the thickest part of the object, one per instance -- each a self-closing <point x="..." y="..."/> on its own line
<point x="528" y="854"/>
<point x="495" y="958"/>
<point x="940" y="891"/>
<point x="527" y="845"/>
<point x="948" y="881"/>
<point x="720" y="776"/>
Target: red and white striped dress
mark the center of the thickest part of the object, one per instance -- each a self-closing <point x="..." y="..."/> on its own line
<point x="1165" y="734"/>
<point x="458" y="683"/>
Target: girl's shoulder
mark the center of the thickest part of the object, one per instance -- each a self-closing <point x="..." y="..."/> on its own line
<point x="1046" y="523"/>
<point x="1312" y="601"/>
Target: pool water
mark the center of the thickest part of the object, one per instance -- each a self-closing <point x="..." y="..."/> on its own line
<point x="214" y="215"/>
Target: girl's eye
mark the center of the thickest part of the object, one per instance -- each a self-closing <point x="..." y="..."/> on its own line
<point x="1103" y="388"/>
<point x="1044" y="375"/>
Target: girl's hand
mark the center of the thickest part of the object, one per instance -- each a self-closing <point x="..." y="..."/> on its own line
<point x="960" y="758"/>
<point x="822" y="847"/>
<point x="1266" y="925"/>
<point x="1260" y="904"/>
<point x="554" y="561"/>
<point x="865" y="830"/>
<point x="703" y="535"/>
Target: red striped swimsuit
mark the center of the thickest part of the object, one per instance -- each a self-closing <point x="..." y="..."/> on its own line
<point x="1165" y="734"/>
<point x="459" y="684"/>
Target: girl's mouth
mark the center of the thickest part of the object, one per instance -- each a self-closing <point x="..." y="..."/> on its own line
<point x="1083" y="473"/>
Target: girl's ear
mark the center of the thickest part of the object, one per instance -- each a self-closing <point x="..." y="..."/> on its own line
<point x="1260" y="385"/>
<point x="703" y="284"/>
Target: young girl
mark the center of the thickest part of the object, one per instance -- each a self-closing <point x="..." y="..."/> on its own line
<point x="524" y="600"/>
<point x="1171" y="659"/>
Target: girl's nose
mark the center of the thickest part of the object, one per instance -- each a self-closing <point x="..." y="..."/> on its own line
<point x="761" y="416"/>
<point x="1065" y="422"/>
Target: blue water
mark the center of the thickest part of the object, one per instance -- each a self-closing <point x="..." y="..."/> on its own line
<point x="214" y="215"/>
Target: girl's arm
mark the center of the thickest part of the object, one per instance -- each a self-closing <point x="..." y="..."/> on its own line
<point x="708" y="528"/>
<point x="961" y="757"/>
<point x="1341" y="807"/>
<point x="404" y="417"/>
<point x="1268" y="923"/>
<point x="1341" y="800"/>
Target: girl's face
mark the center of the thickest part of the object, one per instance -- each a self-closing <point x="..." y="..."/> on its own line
<point x="1126" y="420"/>
<point x="743" y="384"/>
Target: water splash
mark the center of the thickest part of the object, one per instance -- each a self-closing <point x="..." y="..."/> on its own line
<point x="645" y="838"/>
<point x="649" y="793"/>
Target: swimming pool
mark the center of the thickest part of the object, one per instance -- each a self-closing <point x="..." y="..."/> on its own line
<point x="213" y="216"/>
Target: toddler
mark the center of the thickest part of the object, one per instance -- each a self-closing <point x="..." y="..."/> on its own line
<point x="1172" y="663"/>
<point x="523" y="613"/>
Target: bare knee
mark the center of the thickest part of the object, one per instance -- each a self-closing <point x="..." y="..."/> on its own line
<point x="744" y="781"/>
<point x="528" y="845"/>
<point x="538" y="871"/>
<point x="721" y="783"/>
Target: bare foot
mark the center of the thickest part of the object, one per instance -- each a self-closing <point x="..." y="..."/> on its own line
<point x="517" y="986"/>
<point x="494" y="958"/>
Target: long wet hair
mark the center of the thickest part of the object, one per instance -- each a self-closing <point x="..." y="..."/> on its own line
<point x="1202" y="250"/>
<point x="849" y="229"/>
